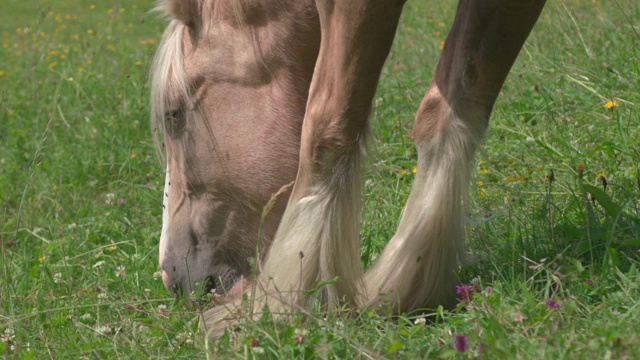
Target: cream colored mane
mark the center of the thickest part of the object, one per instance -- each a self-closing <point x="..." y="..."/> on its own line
<point x="167" y="74"/>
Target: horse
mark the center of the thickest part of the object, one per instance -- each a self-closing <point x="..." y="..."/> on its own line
<point x="260" y="109"/>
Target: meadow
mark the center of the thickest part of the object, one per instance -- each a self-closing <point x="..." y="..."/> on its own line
<point x="554" y="207"/>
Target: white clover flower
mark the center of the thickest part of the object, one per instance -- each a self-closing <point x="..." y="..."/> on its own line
<point x="86" y="317"/>
<point x="120" y="271"/>
<point x="8" y="335"/>
<point x="157" y="274"/>
<point x="142" y="328"/>
<point x="103" y="330"/>
<point x="420" y="321"/>
<point x="57" y="278"/>
<point x="98" y="264"/>
<point x="185" y="338"/>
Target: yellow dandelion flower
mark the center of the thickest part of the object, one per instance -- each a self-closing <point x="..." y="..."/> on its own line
<point x="54" y="52"/>
<point x="611" y="104"/>
<point x="480" y="183"/>
<point x="1" y="72"/>
<point x="112" y="248"/>
<point x="509" y="160"/>
<point x="484" y="172"/>
<point x="89" y="62"/>
<point x="120" y="96"/>
<point x="133" y="155"/>
<point x="42" y="258"/>
<point x="80" y="69"/>
<point x="601" y="174"/>
<point x="110" y="11"/>
<point x="66" y="51"/>
<point x="5" y="45"/>
<point x="92" y="7"/>
<point x="138" y="63"/>
<point x="75" y="37"/>
<point x="68" y="17"/>
<point x="90" y="31"/>
<point x="403" y="172"/>
<point x="522" y="118"/>
<point x="414" y="170"/>
<point x="69" y="79"/>
<point x="541" y="168"/>
<point x="515" y="179"/>
<point x="111" y="47"/>
<point x="19" y="30"/>
<point x="121" y="10"/>
<point x="483" y="194"/>
<point x="481" y="162"/>
<point x="441" y="46"/>
<point x="505" y="200"/>
<point x="52" y="65"/>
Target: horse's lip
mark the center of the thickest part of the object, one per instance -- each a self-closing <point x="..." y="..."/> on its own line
<point x="241" y="285"/>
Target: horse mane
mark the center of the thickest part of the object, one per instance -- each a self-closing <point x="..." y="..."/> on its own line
<point x="167" y="72"/>
<point x="167" y="75"/>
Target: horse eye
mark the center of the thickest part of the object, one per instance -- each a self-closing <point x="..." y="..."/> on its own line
<point x="174" y="122"/>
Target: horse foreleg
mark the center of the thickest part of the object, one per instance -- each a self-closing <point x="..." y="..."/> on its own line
<point x="418" y="268"/>
<point x="318" y="240"/>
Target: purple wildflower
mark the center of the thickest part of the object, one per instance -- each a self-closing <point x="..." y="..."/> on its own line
<point x="460" y="343"/>
<point x="552" y="305"/>
<point x="465" y="292"/>
<point x="120" y="201"/>
<point x="590" y="282"/>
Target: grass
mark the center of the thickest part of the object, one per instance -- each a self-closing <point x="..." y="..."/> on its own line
<point x="81" y="196"/>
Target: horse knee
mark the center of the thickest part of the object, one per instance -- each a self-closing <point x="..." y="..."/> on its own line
<point x="438" y="112"/>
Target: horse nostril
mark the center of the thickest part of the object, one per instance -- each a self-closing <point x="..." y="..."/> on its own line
<point x="176" y="289"/>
